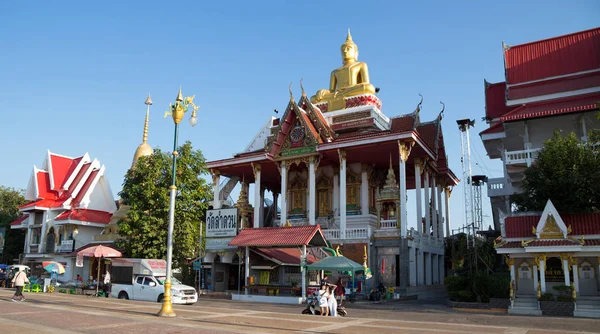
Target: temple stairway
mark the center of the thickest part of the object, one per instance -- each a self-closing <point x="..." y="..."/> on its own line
<point x="588" y="307"/>
<point x="525" y="305"/>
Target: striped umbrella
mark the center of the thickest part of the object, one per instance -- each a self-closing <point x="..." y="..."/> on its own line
<point x="53" y="267"/>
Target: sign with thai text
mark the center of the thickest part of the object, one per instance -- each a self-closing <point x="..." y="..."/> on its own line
<point x="218" y="244"/>
<point x="221" y="223"/>
<point x="297" y="151"/>
<point x="353" y="124"/>
<point x="554" y="270"/>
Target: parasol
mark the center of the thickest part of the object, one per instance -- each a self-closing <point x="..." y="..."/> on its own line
<point x="53" y="267"/>
<point x="99" y="252"/>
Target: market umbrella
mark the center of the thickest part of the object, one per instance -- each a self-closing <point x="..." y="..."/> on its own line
<point x="53" y="267"/>
<point x="339" y="263"/>
<point x="99" y="252"/>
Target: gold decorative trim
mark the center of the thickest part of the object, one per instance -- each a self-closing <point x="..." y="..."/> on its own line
<point x="551" y="229"/>
<point x="404" y="148"/>
<point x="342" y="155"/>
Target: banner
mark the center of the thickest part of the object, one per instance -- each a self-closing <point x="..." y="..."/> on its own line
<point x="79" y="261"/>
<point x="221" y="223"/>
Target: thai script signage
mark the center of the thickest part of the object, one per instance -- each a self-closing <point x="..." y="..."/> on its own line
<point x="218" y="244"/>
<point x="66" y="246"/>
<point x="354" y="124"/>
<point x="297" y="151"/>
<point x="554" y="270"/>
<point x="221" y="223"/>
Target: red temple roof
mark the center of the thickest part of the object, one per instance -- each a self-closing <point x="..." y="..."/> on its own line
<point x="581" y="224"/>
<point x="19" y="221"/>
<point x="554" y="107"/>
<point x="93" y="216"/>
<point x="495" y="100"/>
<point x="285" y="255"/>
<point x="309" y="235"/>
<point x="572" y="53"/>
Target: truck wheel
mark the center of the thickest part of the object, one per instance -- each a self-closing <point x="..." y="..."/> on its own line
<point x="160" y="298"/>
<point x="123" y="295"/>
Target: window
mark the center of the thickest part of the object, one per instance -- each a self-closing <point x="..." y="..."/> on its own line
<point x="140" y="280"/>
<point x="148" y="280"/>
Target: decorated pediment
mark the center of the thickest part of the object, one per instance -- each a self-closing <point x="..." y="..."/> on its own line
<point x="551" y="225"/>
<point x="324" y="182"/>
<point x="352" y="178"/>
<point x="316" y="117"/>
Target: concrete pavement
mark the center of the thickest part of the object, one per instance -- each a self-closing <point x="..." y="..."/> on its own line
<point x="60" y="313"/>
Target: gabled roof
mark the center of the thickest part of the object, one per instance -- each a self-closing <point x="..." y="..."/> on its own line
<point x="495" y="100"/>
<point x="580" y="223"/>
<point x="284" y="256"/>
<point x="280" y="237"/>
<point x="19" y="221"/>
<point x="92" y="216"/>
<point x="554" y="107"/>
<point x="561" y="55"/>
<point x="494" y="128"/>
<point x="317" y="118"/>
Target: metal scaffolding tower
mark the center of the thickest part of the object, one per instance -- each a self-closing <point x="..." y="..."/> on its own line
<point x="477" y="182"/>
<point x="465" y="146"/>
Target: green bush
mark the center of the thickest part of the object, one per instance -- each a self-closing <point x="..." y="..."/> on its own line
<point x="499" y="285"/>
<point x="456" y="283"/>
<point x="547" y="297"/>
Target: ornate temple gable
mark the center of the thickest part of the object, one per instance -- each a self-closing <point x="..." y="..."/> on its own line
<point x="324" y="182"/>
<point x="317" y="119"/>
<point x="550" y="225"/>
<point x="294" y="132"/>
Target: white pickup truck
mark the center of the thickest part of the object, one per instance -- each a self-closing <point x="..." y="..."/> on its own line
<point x="143" y="279"/>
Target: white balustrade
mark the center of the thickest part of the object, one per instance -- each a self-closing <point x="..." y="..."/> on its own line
<point x="351" y="233"/>
<point x="521" y="156"/>
<point x="388" y="223"/>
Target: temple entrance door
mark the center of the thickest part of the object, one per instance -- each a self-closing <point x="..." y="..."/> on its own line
<point x="525" y="279"/>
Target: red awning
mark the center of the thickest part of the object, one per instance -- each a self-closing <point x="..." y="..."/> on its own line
<point x="280" y="237"/>
<point x="554" y="107"/>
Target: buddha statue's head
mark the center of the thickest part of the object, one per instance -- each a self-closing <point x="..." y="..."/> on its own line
<point x="349" y="49"/>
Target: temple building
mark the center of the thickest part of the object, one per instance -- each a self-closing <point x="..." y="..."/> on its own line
<point x="552" y="84"/>
<point x="336" y="160"/>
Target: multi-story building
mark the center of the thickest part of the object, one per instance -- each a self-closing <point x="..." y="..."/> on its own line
<point x="338" y="161"/>
<point x="552" y="84"/>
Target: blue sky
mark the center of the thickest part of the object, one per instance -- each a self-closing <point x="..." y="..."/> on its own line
<point x="74" y="75"/>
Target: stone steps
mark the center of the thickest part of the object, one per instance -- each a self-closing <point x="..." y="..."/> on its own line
<point x="525" y="305"/>
<point x="587" y="313"/>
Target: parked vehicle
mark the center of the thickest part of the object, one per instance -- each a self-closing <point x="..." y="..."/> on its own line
<point x="312" y="307"/>
<point x="143" y="279"/>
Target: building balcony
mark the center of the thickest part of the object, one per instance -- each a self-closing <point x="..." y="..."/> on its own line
<point x="357" y="233"/>
<point x="499" y="187"/>
<point x="522" y="158"/>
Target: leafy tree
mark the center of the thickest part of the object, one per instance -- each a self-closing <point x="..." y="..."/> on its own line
<point x="567" y="172"/>
<point x="14" y="240"/>
<point x="145" y="191"/>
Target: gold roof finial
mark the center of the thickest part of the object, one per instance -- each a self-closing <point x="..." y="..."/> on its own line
<point x="301" y="87"/>
<point x="144" y="149"/>
<point x="291" y="95"/>
<point x="148" y="100"/>
<point x="179" y="96"/>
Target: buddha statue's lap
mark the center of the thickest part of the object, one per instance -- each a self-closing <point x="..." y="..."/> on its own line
<point x="349" y="80"/>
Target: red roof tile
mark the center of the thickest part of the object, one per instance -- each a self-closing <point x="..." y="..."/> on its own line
<point x="495" y="100"/>
<point x="43" y="183"/>
<point x="61" y="168"/>
<point x="309" y="235"/>
<point x="403" y="123"/>
<point x="19" y="221"/>
<point x="558" y="85"/>
<point x="581" y="224"/>
<point x="427" y="132"/>
<point x="86" y="186"/>
<point x="494" y="128"/>
<point x="556" y="56"/>
<point x="593" y="242"/>
<point x="555" y="107"/>
<point x="512" y="244"/>
<point x="92" y="216"/>
<point x="552" y="243"/>
<point x="285" y="255"/>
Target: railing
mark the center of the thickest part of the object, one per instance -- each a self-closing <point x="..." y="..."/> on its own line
<point x="388" y="223"/>
<point x="351" y="233"/>
<point x="521" y="157"/>
<point x="499" y="187"/>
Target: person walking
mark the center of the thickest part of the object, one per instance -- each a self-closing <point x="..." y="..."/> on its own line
<point x="323" y="298"/>
<point x="19" y="281"/>
<point x="331" y="301"/>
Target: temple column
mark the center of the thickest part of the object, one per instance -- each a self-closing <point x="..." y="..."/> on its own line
<point x="447" y="193"/>
<point x="312" y="197"/>
<point x="438" y="191"/>
<point x="428" y="275"/>
<point x="434" y="219"/>
<point x="364" y="191"/>
<point x="216" y="176"/>
<point x="404" y="151"/>
<point x="283" y="170"/>
<point x="420" y="267"/>
<point x="543" y="274"/>
<point x="419" y="195"/>
<point x="342" y="155"/>
<point x="413" y="266"/>
<point x="262" y="208"/>
<point x="336" y="193"/>
<point x="436" y="269"/>
<point x="427" y="210"/>
<point x="275" y="199"/>
<point x="247" y="269"/>
<point x="575" y="276"/>
<point x="257" y="196"/>
<point x="565" y="261"/>
<point x="511" y="266"/>
<point x="303" y="271"/>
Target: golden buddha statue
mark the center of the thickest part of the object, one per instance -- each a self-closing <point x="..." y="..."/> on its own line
<point x="349" y="80"/>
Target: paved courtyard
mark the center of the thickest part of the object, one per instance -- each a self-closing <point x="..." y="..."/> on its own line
<point x="60" y="313"/>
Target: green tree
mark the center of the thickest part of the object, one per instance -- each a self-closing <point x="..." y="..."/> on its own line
<point x="567" y="172"/>
<point x="14" y="240"/>
<point x="145" y="191"/>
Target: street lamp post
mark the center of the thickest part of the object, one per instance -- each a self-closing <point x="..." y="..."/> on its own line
<point x="177" y="111"/>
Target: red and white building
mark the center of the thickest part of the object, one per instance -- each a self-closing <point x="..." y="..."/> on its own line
<point x="70" y="202"/>
<point x="552" y="84"/>
<point x="349" y="171"/>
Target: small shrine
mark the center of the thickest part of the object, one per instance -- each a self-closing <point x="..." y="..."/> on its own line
<point x="245" y="209"/>
<point x="388" y="201"/>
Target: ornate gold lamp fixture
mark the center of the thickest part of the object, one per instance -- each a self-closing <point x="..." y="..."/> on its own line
<point x="177" y="111"/>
